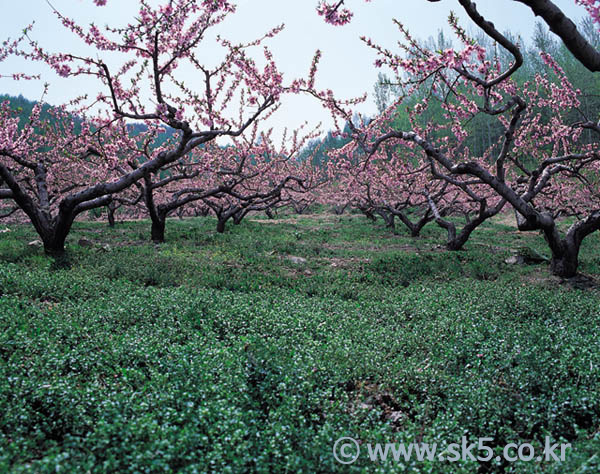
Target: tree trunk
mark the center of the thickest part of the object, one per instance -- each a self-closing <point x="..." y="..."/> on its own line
<point x="565" y="265"/>
<point x="456" y="244"/>
<point x="221" y="225"/>
<point x="238" y="217"/>
<point x="418" y="227"/>
<point x="158" y="229"/>
<point x="339" y="210"/>
<point x="158" y="215"/>
<point x="300" y="208"/>
<point x="414" y="228"/>
<point x="565" y="252"/>
<point x="55" y="236"/>
<point x="111" y="216"/>
<point x="368" y="213"/>
<point x="390" y="223"/>
<point x="54" y="247"/>
<point x="458" y="241"/>
<point x="388" y="218"/>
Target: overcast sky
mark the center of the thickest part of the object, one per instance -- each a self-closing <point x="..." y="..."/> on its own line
<point x="346" y="65"/>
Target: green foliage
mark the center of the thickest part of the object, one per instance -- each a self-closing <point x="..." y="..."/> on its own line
<point x="24" y="107"/>
<point x="216" y="353"/>
<point x="317" y="149"/>
<point x="484" y="132"/>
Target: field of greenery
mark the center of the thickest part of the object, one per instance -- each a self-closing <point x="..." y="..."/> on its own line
<point x="224" y="353"/>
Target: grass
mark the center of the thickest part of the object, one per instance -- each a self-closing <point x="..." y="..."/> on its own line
<point x="217" y="353"/>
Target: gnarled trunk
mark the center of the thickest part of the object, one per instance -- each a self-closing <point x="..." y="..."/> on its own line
<point x="110" y="209"/>
<point x="368" y="213"/>
<point x="457" y="242"/>
<point x="387" y="217"/>
<point x="565" y="251"/>
<point x="54" y="246"/>
<point x="339" y="210"/>
<point x="565" y="265"/>
<point x="238" y="217"/>
<point x="221" y="225"/>
<point x="158" y="215"/>
<point x="414" y="227"/>
<point x="158" y="229"/>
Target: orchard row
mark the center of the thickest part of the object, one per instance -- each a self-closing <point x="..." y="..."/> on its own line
<point x="149" y="144"/>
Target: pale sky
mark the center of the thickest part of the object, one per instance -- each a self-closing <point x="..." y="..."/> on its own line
<point x="346" y="65"/>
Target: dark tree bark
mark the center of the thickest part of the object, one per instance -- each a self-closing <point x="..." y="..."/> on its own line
<point x="339" y="210"/>
<point x="238" y="217"/>
<point x="300" y="206"/>
<point x="456" y="240"/>
<point x="566" y="29"/>
<point x="387" y="217"/>
<point x="221" y="225"/>
<point x="158" y="216"/>
<point x="110" y="210"/>
<point x="368" y="212"/>
<point x="415" y="228"/>
<point x="565" y="250"/>
<point x="158" y="230"/>
<point x="111" y="219"/>
<point x="202" y="211"/>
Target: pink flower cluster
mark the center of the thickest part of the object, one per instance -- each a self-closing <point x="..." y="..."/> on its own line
<point x="593" y="8"/>
<point x="334" y="14"/>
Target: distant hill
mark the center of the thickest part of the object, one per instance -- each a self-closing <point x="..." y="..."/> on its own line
<point x="316" y="149"/>
<point x="24" y="108"/>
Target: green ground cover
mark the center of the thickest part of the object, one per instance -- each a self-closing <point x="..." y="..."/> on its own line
<point x="218" y="353"/>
